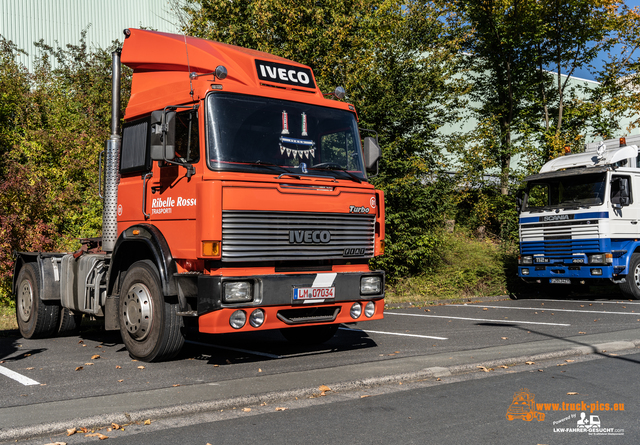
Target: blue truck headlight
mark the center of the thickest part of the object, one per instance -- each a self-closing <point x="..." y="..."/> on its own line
<point x="524" y="271"/>
<point x="526" y="259"/>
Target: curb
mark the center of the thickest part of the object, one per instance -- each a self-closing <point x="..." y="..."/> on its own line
<point x="33" y="431"/>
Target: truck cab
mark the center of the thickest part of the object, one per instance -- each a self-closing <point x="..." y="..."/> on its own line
<point x="579" y="220"/>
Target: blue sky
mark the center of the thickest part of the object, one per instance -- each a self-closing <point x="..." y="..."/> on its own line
<point x="584" y="74"/>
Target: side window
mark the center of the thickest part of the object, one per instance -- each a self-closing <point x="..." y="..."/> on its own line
<point x="187" y="142"/>
<point x="538" y="195"/>
<point x="134" y="155"/>
<point x="621" y="190"/>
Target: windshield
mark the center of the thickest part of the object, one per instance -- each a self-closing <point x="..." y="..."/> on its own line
<point x="579" y="191"/>
<point x="249" y="133"/>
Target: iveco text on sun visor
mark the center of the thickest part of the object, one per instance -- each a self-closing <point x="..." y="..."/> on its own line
<point x="286" y="74"/>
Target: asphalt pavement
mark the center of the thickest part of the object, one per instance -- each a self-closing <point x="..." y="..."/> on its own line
<point x="88" y="380"/>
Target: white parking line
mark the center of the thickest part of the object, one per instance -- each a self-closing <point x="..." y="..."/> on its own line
<point x="546" y="309"/>
<point x="477" y="319"/>
<point x="395" y="333"/>
<point x="18" y="377"/>
<point x="245" y="351"/>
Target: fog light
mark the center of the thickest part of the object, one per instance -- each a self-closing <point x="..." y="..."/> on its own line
<point x="369" y="309"/>
<point x="596" y="271"/>
<point x="238" y="319"/>
<point x="524" y="271"/>
<point x="237" y="291"/>
<point x="371" y="285"/>
<point x="256" y="318"/>
<point x="356" y="310"/>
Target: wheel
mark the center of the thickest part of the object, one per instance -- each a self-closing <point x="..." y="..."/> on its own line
<point x="631" y="287"/>
<point x="36" y="318"/>
<point x="69" y="322"/>
<point x="150" y="326"/>
<point x="310" y="335"/>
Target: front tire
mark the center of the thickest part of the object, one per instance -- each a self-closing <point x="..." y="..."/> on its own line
<point x="150" y="327"/>
<point x="631" y="287"/>
<point x="36" y="318"/>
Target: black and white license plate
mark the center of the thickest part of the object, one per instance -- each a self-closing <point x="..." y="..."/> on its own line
<point x="559" y="281"/>
<point x="313" y="293"/>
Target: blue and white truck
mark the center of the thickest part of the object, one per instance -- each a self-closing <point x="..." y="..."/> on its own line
<point x="580" y="219"/>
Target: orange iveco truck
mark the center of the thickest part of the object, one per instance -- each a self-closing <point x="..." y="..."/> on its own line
<point x="235" y="200"/>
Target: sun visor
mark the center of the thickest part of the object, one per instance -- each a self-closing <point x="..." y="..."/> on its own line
<point x="592" y="159"/>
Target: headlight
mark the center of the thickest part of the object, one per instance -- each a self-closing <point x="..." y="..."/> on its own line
<point x="369" y="309"/>
<point x="238" y="319"/>
<point x="256" y="318"/>
<point x="524" y="271"/>
<point x="527" y="259"/>
<point x="356" y="310"/>
<point x="597" y="258"/>
<point x="237" y="291"/>
<point x="371" y="285"/>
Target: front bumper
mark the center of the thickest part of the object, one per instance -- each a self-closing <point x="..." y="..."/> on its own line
<point x="273" y="294"/>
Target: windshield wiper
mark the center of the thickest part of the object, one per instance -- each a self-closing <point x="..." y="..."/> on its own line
<point x="335" y="167"/>
<point x="271" y="164"/>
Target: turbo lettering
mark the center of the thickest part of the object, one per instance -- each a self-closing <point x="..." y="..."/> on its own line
<point x="363" y="209"/>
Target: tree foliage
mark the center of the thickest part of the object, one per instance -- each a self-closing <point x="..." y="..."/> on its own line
<point x="54" y="124"/>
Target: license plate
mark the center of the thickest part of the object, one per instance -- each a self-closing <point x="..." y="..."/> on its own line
<point x="313" y="293"/>
<point x="559" y="281"/>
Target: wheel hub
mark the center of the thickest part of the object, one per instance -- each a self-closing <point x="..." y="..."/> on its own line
<point x="138" y="311"/>
<point x="25" y="300"/>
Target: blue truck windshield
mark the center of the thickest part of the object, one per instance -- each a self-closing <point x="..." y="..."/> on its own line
<point x="263" y="135"/>
<point x="579" y="191"/>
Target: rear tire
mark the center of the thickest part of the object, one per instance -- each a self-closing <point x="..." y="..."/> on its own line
<point x="310" y="335"/>
<point x="631" y="287"/>
<point x="69" y="322"/>
<point x="36" y="318"/>
<point x="150" y="327"/>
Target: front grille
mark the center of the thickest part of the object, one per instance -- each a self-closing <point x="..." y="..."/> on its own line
<point x="267" y="236"/>
<point x="560" y="240"/>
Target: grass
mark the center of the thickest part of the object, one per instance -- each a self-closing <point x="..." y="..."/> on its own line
<point x="470" y="268"/>
<point x="7" y="320"/>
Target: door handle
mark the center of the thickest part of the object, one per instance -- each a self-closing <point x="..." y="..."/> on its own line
<point x="634" y="222"/>
<point x="144" y="194"/>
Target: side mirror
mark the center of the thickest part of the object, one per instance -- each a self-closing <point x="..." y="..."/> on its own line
<point x="620" y="192"/>
<point x="163" y="135"/>
<point x="519" y="200"/>
<point x="624" y="192"/>
<point x="372" y="154"/>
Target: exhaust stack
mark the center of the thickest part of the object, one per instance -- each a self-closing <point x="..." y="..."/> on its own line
<point x="112" y="177"/>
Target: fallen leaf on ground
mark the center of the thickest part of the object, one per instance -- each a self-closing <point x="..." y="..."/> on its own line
<point x="530" y="363"/>
<point x="140" y="367"/>
<point x="147" y="422"/>
<point x="569" y="360"/>
<point x="485" y="309"/>
<point x="115" y="426"/>
<point x="324" y="388"/>
<point x="572" y="393"/>
<point x="246" y="410"/>
<point x="504" y="366"/>
<point x="120" y="381"/>
<point x="483" y="368"/>
<point x="95" y="357"/>
<point x="29" y="369"/>
<point x="118" y="367"/>
<point x="79" y="368"/>
<point x="540" y="370"/>
<point x="504" y="338"/>
<point x="366" y="395"/>
<point x="176" y="385"/>
<point x="71" y="431"/>
<point x="88" y="364"/>
<point x="80" y="342"/>
<point x="56" y="443"/>
<point x="280" y="408"/>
